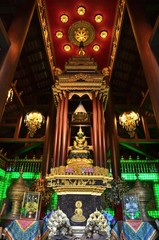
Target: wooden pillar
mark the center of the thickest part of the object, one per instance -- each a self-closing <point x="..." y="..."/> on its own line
<point x="107" y="139"/>
<point x="68" y="137"/>
<point x="145" y="127"/>
<point x="55" y="164"/>
<point x="49" y="135"/>
<point x="95" y="146"/>
<point x="17" y="34"/>
<point x="60" y="134"/>
<point x="92" y="136"/>
<point x="64" y="132"/>
<point x="113" y="136"/>
<point x="103" y="135"/>
<point x="99" y="134"/>
<point x="142" y="32"/>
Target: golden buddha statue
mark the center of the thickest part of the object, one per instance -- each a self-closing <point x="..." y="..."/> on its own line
<point x="79" y="154"/>
<point x="80" y="142"/>
<point x="78" y="216"/>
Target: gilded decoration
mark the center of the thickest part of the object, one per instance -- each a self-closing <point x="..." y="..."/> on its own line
<point x="80" y="94"/>
<point x="79" y="176"/>
<point x="119" y="20"/>
<point x="15" y="194"/>
<point x="81" y="82"/>
<point x="63" y="180"/>
<point x="81" y="31"/>
<point x="79" y="155"/>
<point x="81" y="63"/>
<point x="88" y="27"/>
<point x="45" y="31"/>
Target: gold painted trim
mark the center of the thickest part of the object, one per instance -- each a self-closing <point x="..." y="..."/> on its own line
<point x="79" y="94"/>
<point x="78" y="184"/>
<point x="81" y="84"/>
<point x="118" y="25"/>
<point x="42" y="13"/>
<point x="93" y="183"/>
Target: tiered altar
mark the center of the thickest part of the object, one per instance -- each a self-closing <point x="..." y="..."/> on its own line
<point x="79" y="174"/>
<point x="79" y="184"/>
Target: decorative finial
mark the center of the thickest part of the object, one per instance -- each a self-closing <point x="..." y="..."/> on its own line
<point x="81" y="49"/>
<point x="80" y="131"/>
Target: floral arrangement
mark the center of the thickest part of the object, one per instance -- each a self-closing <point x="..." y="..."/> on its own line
<point x="97" y="226"/>
<point x="114" y="195"/>
<point x="39" y="185"/>
<point x="89" y="170"/>
<point x="69" y="170"/>
<point x="110" y="219"/>
<point x="31" y="207"/>
<point x="59" y="225"/>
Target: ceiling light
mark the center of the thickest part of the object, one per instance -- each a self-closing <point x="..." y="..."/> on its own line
<point x="64" y="18"/>
<point x="59" y="34"/>
<point x="98" y="18"/>
<point x="96" y="48"/>
<point x="67" y="48"/>
<point x="129" y="121"/>
<point x="33" y="121"/>
<point x="104" y="34"/>
<point x="81" y="10"/>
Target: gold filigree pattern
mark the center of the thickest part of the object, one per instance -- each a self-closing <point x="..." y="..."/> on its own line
<point x="89" y="183"/>
<point x="82" y="83"/>
<point x="45" y="31"/>
<point x="119" y="20"/>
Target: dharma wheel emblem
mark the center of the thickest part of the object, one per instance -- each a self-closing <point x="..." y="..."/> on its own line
<point x="81" y="31"/>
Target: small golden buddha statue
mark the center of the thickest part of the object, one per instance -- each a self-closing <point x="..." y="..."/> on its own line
<point x="78" y="216"/>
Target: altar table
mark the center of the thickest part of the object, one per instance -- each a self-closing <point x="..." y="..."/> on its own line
<point x="136" y="230"/>
<point x="26" y="230"/>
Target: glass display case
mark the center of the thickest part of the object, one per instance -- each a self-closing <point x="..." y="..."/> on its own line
<point x="131" y="208"/>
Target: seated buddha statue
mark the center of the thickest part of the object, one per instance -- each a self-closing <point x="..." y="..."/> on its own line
<point x="78" y="214"/>
<point x="79" y="154"/>
<point x="80" y="142"/>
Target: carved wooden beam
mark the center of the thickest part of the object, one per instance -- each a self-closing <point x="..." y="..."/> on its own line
<point x="27" y="148"/>
<point x="4" y="39"/>
<point x="139" y="150"/>
<point x="17" y="95"/>
<point x="138" y="141"/>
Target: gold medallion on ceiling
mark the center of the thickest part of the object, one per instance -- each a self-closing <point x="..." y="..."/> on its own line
<point x="81" y="31"/>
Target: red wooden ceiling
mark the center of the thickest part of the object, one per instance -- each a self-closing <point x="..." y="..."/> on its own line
<point x="108" y="9"/>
